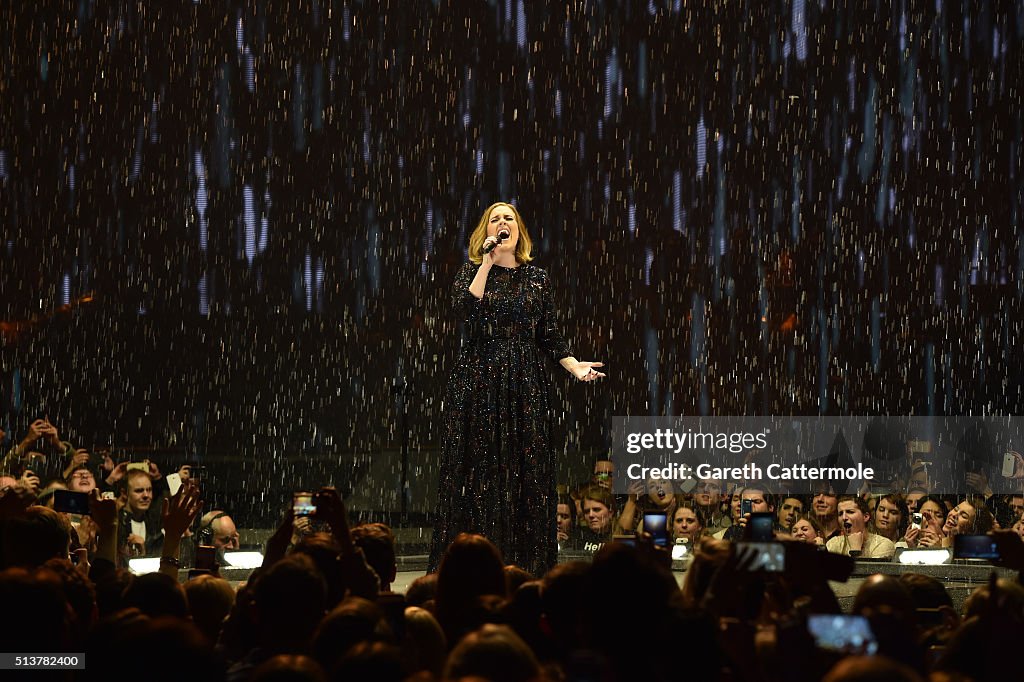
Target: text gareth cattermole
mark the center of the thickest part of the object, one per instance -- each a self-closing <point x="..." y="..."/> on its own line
<point x="667" y="439"/>
<point x="750" y="472"/>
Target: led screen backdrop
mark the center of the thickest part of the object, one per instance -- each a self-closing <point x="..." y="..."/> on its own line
<point x="229" y="227"/>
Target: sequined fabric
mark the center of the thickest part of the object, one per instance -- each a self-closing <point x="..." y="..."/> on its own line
<point x="497" y="474"/>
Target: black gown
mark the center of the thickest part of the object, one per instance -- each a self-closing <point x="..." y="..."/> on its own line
<point x="497" y="473"/>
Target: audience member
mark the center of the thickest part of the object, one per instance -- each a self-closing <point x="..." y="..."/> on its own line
<point x="598" y="510"/>
<point x="735" y="505"/>
<point x="653" y="495"/>
<point x="790" y="508"/>
<point x="759" y="501"/>
<point x="687" y="522"/>
<point x="41" y="449"/>
<point x="424" y="646"/>
<point x="566" y="528"/>
<point x="824" y="506"/>
<point x="707" y="495"/>
<point x="36" y="536"/>
<point x="471" y="569"/>
<point x="140" y="527"/>
<point x="422" y="591"/>
<point x="494" y="653"/>
<point x="209" y="602"/>
<point x="929" y="533"/>
<point x="321" y="609"/>
<point x="378" y="545"/>
<point x="970" y="517"/>
<point x="891" y="517"/>
<point x="807" y="529"/>
<point x="81" y="479"/>
<point x="856" y="540"/>
<point x="913" y="499"/>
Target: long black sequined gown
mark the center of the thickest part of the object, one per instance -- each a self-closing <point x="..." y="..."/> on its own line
<point x="497" y="473"/>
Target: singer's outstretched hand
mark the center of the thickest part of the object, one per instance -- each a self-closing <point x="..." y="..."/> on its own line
<point x="584" y="371"/>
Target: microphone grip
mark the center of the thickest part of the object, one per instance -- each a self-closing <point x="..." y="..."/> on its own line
<point x="502" y="236"/>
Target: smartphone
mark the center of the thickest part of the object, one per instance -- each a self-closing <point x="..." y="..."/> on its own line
<point x="206" y="558"/>
<point x="108" y="495"/>
<point x="141" y="466"/>
<point x="687" y="485"/>
<point x="842" y="633"/>
<point x="975" y="547"/>
<point x="681" y="549"/>
<point x="746" y="507"/>
<point x="195" y="470"/>
<point x="919" y="446"/>
<point x="1009" y="464"/>
<point x="769" y="557"/>
<point x="70" y="502"/>
<point x="761" y="526"/>
<point x="656" y="524"/>
<point x="173" y="483"/>
<point x="303" y="503"/>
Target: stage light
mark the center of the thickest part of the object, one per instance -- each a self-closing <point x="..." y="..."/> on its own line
<point x="924" y="557"/>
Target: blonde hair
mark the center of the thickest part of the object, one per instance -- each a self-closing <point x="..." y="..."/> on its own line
<point x="476" y="240"/>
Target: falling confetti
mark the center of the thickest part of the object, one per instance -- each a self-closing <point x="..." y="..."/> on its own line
<point x="227" y="230"/>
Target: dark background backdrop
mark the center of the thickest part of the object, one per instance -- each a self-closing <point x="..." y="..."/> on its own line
<point x="229" y="228"/>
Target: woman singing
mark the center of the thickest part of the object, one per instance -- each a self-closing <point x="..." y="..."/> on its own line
<point x="497" y="464"/>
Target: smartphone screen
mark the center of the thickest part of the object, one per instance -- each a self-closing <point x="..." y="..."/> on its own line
<point x="70" y="502"/>
<point x="842" y="633"/>
<point x="302" y="504"/>
<point x="769" y="557"/>
<point x="762" y="526"/>
<point x="974" y="547"/>
<point x="656" y="524"/>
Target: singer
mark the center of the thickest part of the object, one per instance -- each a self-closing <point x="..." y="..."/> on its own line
<point x="497" y="473"/>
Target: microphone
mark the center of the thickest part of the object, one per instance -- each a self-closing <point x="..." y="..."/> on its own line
<point x="503" y="234"/>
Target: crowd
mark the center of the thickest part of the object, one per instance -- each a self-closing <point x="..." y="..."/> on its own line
<point x="867" y="526"/>
<point x="321" y="606"/>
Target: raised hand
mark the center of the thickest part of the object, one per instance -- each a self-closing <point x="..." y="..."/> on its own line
<point x="30" y="480"/>
<point x="51" y="434"/>
<point x="117" y="473"/>
<point x="929" y="538"/>
<point x="80" y="457"/>
<point x="911" y="536"/>
<point x="179" y="511"/>
<point x="103" y="511"/>
<point x="636" y="489"/>
<point x="330" y="508"/>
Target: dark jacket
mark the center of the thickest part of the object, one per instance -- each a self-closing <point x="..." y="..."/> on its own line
<point x="152" y="519"/>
